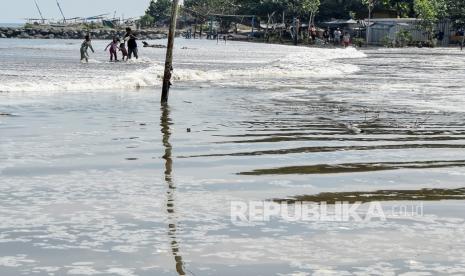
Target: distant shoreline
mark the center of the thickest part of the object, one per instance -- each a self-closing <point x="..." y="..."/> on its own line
<point x="49" y="32"/>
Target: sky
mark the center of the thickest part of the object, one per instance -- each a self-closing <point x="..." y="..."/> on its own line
<point x="14" y="11"/>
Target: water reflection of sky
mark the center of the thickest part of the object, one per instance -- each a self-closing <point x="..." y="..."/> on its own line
<point x="106" y="182"/>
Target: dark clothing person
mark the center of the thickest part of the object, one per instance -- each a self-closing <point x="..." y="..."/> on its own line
<point x="313" y="33"/>
<point x="440" y="36"/>
<point x="132" y="43"/>
<point x="326" y="36"/>
<point x="133" y="51"/>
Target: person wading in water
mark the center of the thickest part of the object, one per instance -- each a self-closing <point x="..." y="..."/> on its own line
<point x="84" y="47"/>
<point x="113" y="49"/>
<point x="132" y="43"/>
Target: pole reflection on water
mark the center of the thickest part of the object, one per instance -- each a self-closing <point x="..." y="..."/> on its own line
<point x="165" y="122"/>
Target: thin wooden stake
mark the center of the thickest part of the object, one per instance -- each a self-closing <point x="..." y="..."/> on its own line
<point x="463" y="41"/>
<point x="370" y="8"/>
<point x="169" y="53"/>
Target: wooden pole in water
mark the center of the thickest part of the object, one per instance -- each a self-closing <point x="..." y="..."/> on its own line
<point x="370" y="7"/>
<point x="253" y="25"/>
<point x="296" y="33"/>
<point x="463" y="40"/>
<point x="169" y="53"/>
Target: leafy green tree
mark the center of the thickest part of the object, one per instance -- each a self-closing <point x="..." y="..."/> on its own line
<point x="429" y="12"/>
<point x="341" y="9"/>
<point x="370" y="4"/>
<point x="403" y="8"/>
<point x="147" y="20"/>
<point x="456" y="12"/>
<point x="261" y="8"/>
<point x="206" y="8"/>
<point x="159" y="10"/>
<point x="310" y="7"/>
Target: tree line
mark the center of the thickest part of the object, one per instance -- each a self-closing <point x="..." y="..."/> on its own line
<point x="285" y="11"/>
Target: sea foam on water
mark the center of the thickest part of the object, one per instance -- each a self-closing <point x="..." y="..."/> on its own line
<point x="61" y="73"/>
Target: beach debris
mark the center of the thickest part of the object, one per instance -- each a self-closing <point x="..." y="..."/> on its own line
<point x="353" y="128"/>
<point x="146" y="44"/>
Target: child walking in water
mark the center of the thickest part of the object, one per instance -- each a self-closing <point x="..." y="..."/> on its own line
<point x="84" y="47"/>
<point x="124" y="51"/>
<point x="113" y="48"/>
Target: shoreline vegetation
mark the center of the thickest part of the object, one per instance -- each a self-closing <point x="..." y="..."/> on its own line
<point x="362" y="23"/>
<point x="50" y="32"/>
<point x="155" y="33"/>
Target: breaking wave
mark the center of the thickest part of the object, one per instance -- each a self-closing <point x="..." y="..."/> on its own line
<point x="305" y="63"/>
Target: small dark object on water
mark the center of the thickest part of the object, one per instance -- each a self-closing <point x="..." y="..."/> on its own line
<point x="7" y="114"/>
<point x="142" y="124"/>
<point x="132" y="159"/>
<point x="153" y="45"/>
<point x="188" y="130"/>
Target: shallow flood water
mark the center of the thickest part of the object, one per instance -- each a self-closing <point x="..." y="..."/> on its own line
<point x="97" y="179"/>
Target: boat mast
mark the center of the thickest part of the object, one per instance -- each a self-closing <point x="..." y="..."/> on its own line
<point x="61" y="11"/>
<point x="40" y="13"/>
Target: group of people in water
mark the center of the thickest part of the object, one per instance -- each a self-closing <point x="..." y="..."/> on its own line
<point x="337" y="37"/>
<point x="116" y="45"/>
